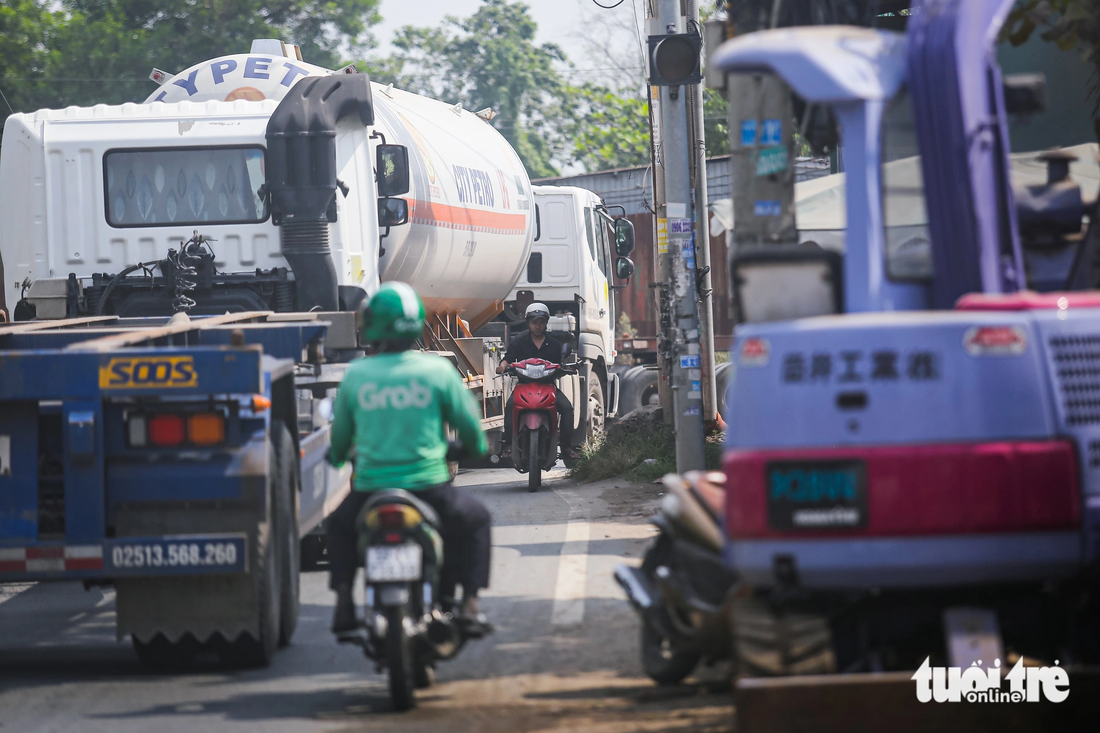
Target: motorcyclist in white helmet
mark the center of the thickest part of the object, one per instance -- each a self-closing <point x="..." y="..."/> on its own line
<point x="535" y="344"/>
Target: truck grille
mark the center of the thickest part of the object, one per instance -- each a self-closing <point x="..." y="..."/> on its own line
<point x="1077" y="365"/>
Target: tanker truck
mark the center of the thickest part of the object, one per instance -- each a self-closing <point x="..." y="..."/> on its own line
<point x="251" y="203"/>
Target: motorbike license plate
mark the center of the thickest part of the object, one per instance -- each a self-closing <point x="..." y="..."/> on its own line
<point x="394" y="563"/>
<point x="817" y="496"/>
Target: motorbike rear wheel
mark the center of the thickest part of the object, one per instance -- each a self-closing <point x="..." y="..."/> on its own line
<point x="399" y="658"/>
<point x="534" y="465"/>
<point x="662" y="660"/>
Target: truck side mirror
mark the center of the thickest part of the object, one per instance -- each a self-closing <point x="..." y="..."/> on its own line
<point x="393" y="170"/>
<point x="624" y="238"/>
<point x="624" y="268"/>
<point x="392" y="212"/>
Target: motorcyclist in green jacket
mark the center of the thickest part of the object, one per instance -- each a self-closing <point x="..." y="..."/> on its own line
<point x="393" y="408"/>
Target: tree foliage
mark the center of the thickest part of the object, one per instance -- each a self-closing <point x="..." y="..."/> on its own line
<point x="1071" y="24"/>
<point x="100" y="51"/>
<point x="490" y="59"/>
<point x="612" y="131"/>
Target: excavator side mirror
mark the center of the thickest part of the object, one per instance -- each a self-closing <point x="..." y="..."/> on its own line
<point x="392" y="212"/>
<point x="393" y="170"/>
<point x="624" y="237"/>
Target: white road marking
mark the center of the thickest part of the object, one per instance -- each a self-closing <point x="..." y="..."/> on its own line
<point x="11" y="590"/>
<point x="569" y="593"/>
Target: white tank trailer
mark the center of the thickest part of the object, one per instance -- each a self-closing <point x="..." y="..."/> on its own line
<point x="114" y="186"/>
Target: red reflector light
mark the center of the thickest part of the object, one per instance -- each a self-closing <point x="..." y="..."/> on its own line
<point x="166" y="430"/>
<point x="393" y="538"/>
<point x="391" y="517"/>
<point x="995" y="340"/>
<point x="755" y="352"/>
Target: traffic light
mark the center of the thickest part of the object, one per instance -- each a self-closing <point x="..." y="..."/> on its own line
<point x="674" y="59"/>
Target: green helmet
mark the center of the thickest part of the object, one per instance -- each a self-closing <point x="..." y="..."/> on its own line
<point x="394" y="313"/>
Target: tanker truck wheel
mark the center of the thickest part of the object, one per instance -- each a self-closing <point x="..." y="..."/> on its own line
<point x="594" y="428"/>
<point x="639" y="388"/>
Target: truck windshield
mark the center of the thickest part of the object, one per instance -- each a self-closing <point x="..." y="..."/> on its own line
<point x="908" y="248"/>
<point x="184" y="186"/>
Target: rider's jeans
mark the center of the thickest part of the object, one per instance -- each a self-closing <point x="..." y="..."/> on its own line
<point x="465" y="531"/>
<point x="565" y="411"/>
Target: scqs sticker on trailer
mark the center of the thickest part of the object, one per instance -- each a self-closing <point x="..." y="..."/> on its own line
<point x="148" y="372"/>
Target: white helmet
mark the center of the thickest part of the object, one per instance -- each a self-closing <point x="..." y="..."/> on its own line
<point x="537" y="310"/>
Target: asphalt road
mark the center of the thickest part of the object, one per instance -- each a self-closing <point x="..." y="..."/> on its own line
<point x="564" y="657"/>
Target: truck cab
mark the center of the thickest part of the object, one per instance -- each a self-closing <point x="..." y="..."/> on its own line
<point x="572" y="269"/>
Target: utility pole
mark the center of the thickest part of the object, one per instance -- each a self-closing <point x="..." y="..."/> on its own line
<point x="702" y="240"/>
<point x="659" y="287"/>
<point x="687" y="396"/>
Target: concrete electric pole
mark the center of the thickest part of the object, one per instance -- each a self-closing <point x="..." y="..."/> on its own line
<point x="702" y="238"/>
<point x="675" y="67"/>
<point x="659" y="287"/>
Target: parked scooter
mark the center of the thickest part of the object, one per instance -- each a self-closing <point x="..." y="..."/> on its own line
<point x="535" y="416"/>
<point x="683" y="591"/>
<point x="410" y="622"/>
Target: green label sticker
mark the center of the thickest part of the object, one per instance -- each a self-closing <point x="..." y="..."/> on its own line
<point x="771" y="160"/>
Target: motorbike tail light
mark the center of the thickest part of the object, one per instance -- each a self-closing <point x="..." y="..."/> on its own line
<point x="206" y="428"/>
<point x="393" y="538"/>
<point x="391" y="517"/>
<point x="166" y="430"/>
<point x="135" y="429"/>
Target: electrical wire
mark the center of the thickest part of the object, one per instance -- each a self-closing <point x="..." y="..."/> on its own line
<point x="609" y="7"/>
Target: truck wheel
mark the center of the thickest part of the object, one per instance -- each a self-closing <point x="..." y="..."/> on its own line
<point x="400" y="660"/>
<point x="780" y="642"/>
<point x="286" y="530"/>
<point x="534" y="464"/>
<point x="639" y="388"/>
<point x="662" y="661"/>
<point x="594" y="428"/>
<point x="256" y="651"/>
<point x="162" y="655"/>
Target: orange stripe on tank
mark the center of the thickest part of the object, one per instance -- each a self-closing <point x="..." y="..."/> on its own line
<point x="459" y="217"/>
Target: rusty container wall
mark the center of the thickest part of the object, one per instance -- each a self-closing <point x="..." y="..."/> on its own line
<point x="637" y="299"/>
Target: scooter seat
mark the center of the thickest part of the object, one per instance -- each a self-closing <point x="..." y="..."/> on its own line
<point x="408" y="498"/>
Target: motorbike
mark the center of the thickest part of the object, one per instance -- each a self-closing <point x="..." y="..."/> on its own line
<point x="410" y="622"/>
<point x="683" y="592"/>
<point x="535" y="417"/>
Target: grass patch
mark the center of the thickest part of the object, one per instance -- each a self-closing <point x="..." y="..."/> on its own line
<point x="622" y="452"/>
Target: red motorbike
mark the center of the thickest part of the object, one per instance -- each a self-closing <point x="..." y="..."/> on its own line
<point x="535" y="417"/>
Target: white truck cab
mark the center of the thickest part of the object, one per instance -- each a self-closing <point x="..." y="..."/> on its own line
<point x="573" y="261"/>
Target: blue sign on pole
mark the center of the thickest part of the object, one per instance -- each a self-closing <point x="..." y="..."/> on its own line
<point x="772" y="133"/>
<point x="748" y="133"/>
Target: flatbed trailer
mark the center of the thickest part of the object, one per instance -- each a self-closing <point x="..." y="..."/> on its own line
<point x="170" y="458"/>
